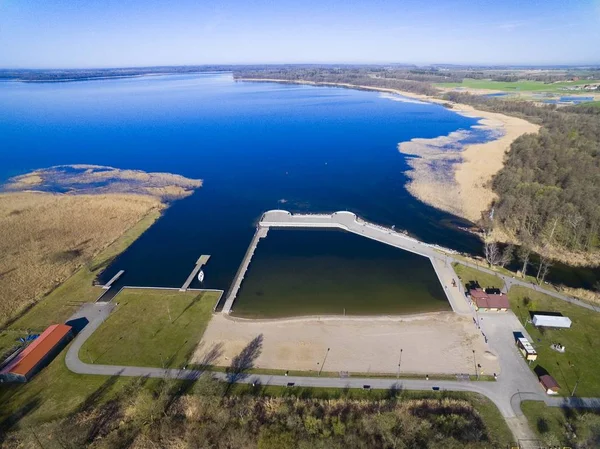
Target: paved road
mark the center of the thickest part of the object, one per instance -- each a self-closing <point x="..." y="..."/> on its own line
<point x="500" y="392"/>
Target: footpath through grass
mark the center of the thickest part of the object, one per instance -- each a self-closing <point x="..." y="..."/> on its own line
<point x="158" y="328"/>
<point x="468" y="275"/>
<point x="579" y="364"/>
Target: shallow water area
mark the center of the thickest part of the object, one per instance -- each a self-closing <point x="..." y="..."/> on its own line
<point x="333" y="272"/>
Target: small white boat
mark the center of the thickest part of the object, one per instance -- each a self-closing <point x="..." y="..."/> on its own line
<point x="201" y="276"/>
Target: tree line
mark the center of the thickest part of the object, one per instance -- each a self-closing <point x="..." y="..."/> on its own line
<point x="207" y="414"/>
<point x="549" y="188"/>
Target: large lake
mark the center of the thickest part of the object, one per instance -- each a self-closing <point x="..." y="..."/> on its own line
<point x="257" y="146"/>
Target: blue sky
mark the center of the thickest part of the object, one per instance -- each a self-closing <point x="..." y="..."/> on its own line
<point x="111" y="33"/>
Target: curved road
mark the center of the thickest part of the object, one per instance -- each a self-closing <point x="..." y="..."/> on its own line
<point x="500" y="392"/>
<point x="515" y="383"/>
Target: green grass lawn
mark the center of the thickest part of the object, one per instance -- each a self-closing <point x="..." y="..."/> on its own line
<point x="64" y="300"/>
<point x="518" y="86"/>
<point x="151" y="328"/>
<point x="52" y="393"/>
<point x="468" y="274"/>
<point x="8" y="340"/>
<point x="581" y="341"/>
<point x="593" y="104"/>
<point x="552" y="425"/>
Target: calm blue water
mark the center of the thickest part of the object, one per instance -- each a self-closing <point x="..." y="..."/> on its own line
<point x="254" y="144"/>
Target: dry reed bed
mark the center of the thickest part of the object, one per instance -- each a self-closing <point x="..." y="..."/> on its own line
<point x="45" y="237"/>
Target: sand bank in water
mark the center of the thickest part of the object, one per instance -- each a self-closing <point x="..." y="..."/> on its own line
<point x="446" y="174"/>
<point x="455" y="177"/>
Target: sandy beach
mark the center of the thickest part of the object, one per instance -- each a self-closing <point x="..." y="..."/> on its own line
<point x="432" y="343"/>
<point x="456" y="178"/>
<point x="447" y="175"/>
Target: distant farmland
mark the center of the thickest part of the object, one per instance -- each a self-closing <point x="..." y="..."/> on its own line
<point x="518" y="86"/>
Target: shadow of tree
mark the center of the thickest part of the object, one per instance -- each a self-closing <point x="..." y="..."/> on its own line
<point x="17" y="416"/>
<point x="542" y="425"/>
<point x="210" y="357"/>
<point x="195" y="300"/>
<point x="244" y="361"/>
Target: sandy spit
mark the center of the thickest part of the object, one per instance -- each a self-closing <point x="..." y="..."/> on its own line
<point x="445" y="174"/>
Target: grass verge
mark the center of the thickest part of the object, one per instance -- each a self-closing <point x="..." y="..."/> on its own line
<point x="495" y="423"/>
<point x="468" y="275"/>
<point x="151" y="328"/>
<point x="579" y="364"/>
<point x="335" y="374"/>
<point x="557" y="426"/>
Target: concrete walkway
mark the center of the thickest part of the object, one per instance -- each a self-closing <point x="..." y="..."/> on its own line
<point x="348" y="221"/>
<point x="260" y="233"/>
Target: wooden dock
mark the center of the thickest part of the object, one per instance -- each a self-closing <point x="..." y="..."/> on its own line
<point x="202" y="260"/>
<point x="114" y="278"/>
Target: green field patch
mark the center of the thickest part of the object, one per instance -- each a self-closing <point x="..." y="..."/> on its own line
<point x="557" y="426"/>
<point x="158" y="328"/>
<point x="468" y="275"/>
<point x="519" y="86"/>
<point x="579" y="364"/>
<point x="51" y="394"/>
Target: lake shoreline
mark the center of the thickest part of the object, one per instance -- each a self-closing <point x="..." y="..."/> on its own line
<point x="464" y="190"/>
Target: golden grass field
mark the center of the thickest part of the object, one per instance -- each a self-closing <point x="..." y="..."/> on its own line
<point x="45" y="237"/>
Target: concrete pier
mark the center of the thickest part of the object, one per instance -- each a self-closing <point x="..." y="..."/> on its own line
<point x="113" y="279"/>
<point x="202" y="260"/>
<point x="348" y="221"/>
<point x="261" y="232"/>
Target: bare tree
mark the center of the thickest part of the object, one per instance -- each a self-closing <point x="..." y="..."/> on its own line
<point x="492" y="253"/>
<point x="575" y="219"/>
<point x="507" y="255"/>
<point x="523" y="253"/>
<point x="544" y="267"/>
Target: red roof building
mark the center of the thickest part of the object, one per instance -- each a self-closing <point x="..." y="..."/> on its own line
<point x="489" y="302"/>
<point x="35" y="356"/>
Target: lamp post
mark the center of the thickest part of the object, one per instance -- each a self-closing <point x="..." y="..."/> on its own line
<point x="399" y="363"/>
<point x="324" y="358"/>
<point x="475" y="363"/>
<point x="577" y="381"/>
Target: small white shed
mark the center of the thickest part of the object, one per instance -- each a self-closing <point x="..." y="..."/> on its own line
<point x="551" y="321"/>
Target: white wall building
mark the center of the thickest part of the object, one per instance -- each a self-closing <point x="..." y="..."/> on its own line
<point x="551" y="321"/>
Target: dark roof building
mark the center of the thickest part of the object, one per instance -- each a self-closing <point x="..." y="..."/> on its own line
<point x="549" y="384"/>
<point x="38" y="354"/>
<point x="489" y="301"/>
